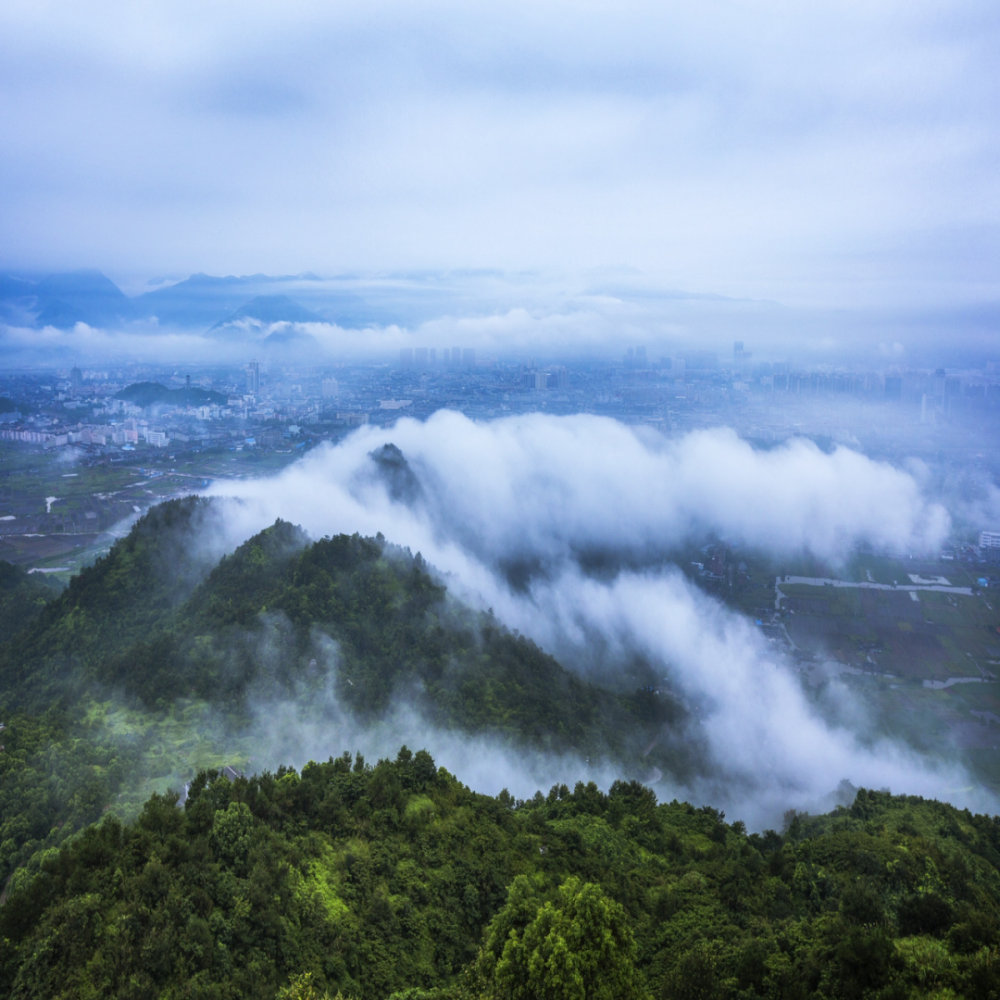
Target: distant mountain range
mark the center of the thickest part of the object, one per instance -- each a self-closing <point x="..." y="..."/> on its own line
<point x="199" y="302"/>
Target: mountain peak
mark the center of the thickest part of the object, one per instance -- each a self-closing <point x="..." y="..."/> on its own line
<point x="271" y="309"/>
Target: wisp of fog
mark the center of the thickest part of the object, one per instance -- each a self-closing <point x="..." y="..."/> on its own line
<point x="512" y="511"/>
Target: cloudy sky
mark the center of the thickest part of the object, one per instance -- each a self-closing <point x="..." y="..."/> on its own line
<point x="826" y="153"/>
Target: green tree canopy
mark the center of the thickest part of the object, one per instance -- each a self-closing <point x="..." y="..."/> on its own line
<point x="578" y="946"/>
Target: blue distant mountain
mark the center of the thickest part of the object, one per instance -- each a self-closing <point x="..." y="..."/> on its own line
<point x="268" y="309"/>
<point x="203" y="301"/>
<point x="63" y="300"/>
<point x="206" y="301"/>
<point x="199" y="302"/>
<point x="263" y="311"/>
<point x="12" y="287"/>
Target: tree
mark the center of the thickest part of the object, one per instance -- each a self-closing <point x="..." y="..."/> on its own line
<point x="232" y="835"/>
<point x="578" y="946"/>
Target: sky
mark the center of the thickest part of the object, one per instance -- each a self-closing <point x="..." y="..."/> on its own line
<point x="832" y="154"/>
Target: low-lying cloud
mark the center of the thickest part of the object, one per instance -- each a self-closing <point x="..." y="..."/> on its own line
<point x="545" y="491"/>
<point x="545" y="487"/>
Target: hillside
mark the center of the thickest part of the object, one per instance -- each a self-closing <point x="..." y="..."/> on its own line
<point x="396" y="880"/>
<point x="63" y="300"/>
<point x="154" y="393"/>
<point x="139" y="622"/>
<point x="116" y="676"/>
<point x="23" y="597"/>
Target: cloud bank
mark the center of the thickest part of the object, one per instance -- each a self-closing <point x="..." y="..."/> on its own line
<point x="544" y="487"/>
<point x="545" y="491"/>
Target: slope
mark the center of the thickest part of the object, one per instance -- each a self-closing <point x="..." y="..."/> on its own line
<point x="140" y="622"/>
<point x="153" y="662"/>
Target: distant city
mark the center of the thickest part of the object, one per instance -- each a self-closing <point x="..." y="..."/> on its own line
<point x="266" y="404"/>
<point x="162" y="415"/>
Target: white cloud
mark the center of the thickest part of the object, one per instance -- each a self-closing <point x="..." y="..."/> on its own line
<point x="543" y="488"/>
<point x="536" y="485"/>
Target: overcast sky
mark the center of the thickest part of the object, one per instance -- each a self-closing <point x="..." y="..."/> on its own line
<point x="823" y="153"/>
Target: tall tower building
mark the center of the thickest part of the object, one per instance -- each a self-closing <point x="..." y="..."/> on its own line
<point x="253" y="379"/>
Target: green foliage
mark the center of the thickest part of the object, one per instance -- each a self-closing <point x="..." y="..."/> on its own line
<point x="23" y="597"/>
<point x="120" y="603"/>
<point x="577" y="947"/>
<point x="53" y="783"/>
<point x="151" y="622"/>
<point x="395" y="880"/>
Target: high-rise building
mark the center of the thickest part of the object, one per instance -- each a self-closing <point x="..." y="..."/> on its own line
<point x="253" y="379"/>
<point x="330" y="388"/>
<point x="559" y="377"/>
<point x="406" y="357"/>
<point x="75" y="380"/>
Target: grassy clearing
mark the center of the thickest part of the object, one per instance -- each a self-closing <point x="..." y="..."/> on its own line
<point x="176" y="744"/>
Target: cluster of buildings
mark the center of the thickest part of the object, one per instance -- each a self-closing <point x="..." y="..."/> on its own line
<point x="426" y="359"/>
<point x="989" y="546"/>
<point x="766" y="401"/>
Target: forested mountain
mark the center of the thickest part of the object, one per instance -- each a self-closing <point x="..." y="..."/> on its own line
<point x="348" y="620"/>
<point x="151" y="393"/>
<point x="396" y="880"/>
<point x="139" y="622"/>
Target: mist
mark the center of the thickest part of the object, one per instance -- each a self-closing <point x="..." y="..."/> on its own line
<point x="542" y="492"/>
<point x="587" y="313"/>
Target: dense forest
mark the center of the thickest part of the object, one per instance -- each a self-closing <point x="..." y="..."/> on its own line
<point x="141" y="622"/>
<point x="395" y="880"/>
<point x="152" y="625"/>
